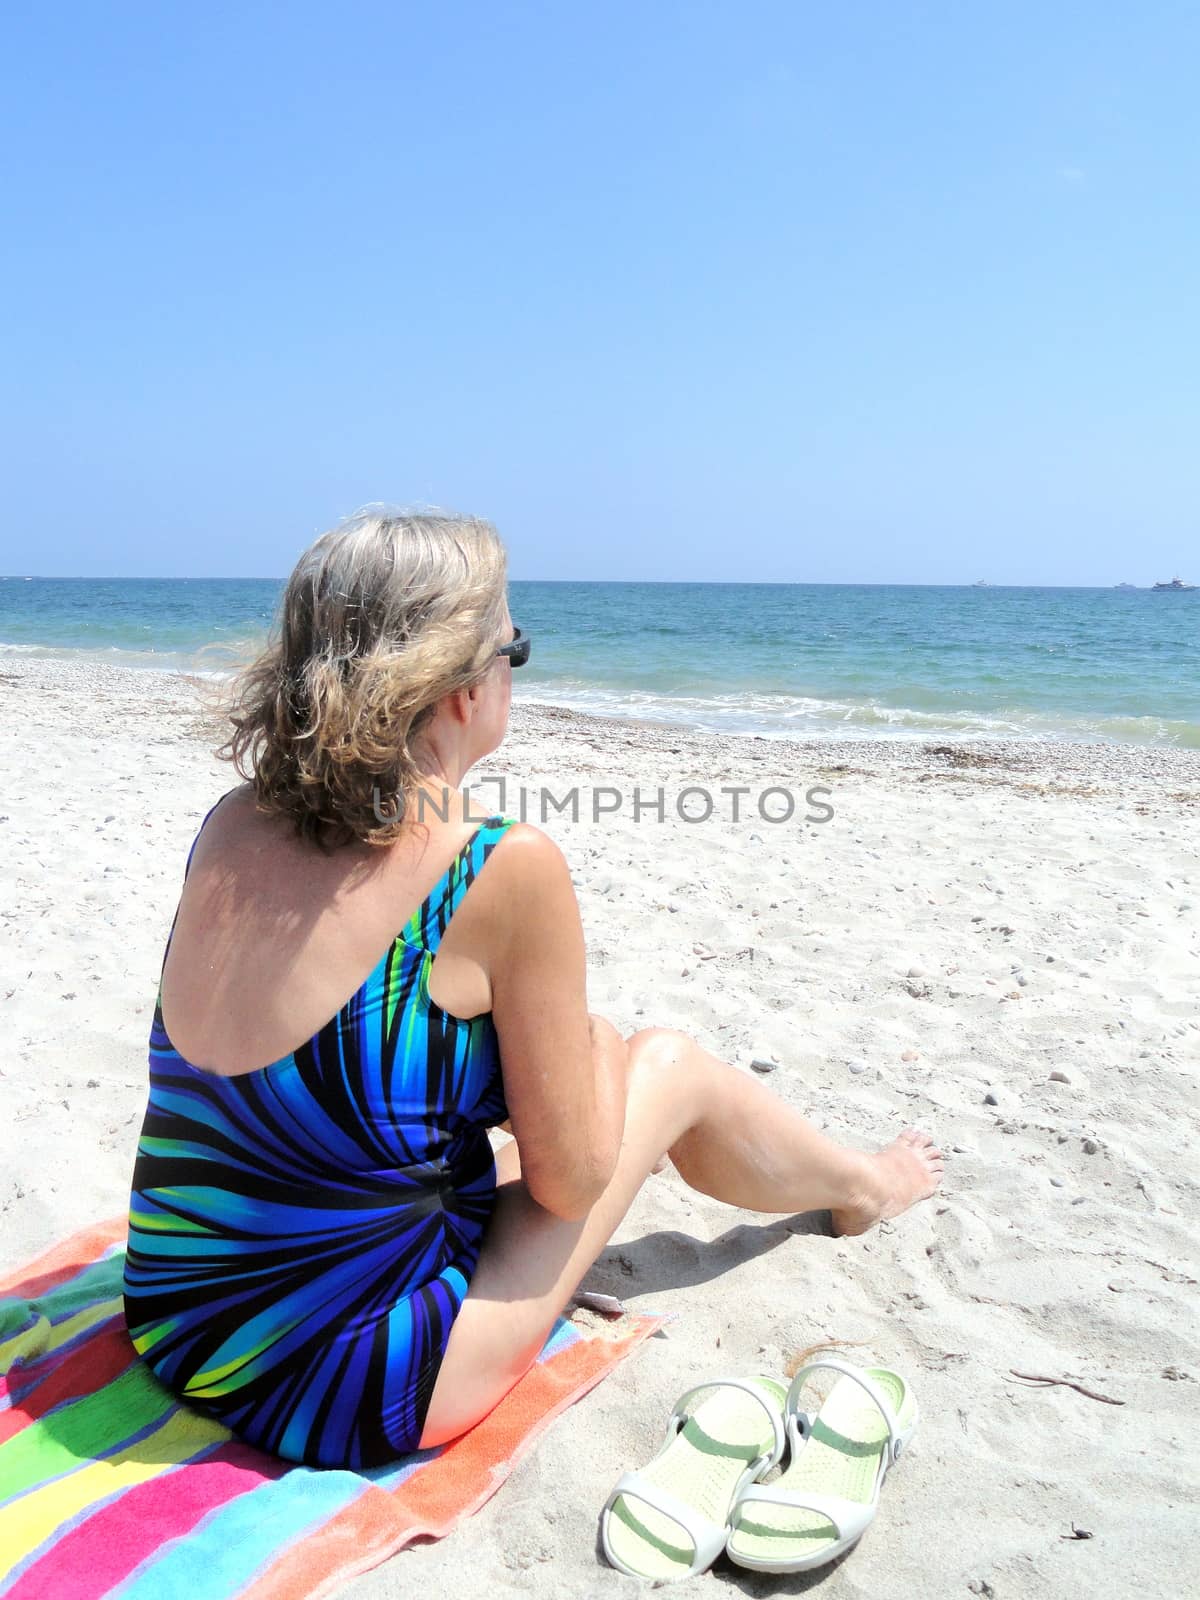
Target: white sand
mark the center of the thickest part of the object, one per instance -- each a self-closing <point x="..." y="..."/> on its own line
<point x="1003" y="921"/>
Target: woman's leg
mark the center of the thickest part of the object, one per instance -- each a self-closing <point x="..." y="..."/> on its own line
<point x="728" y="1135"/>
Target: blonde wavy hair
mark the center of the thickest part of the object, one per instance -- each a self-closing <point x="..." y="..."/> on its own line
<point x="382" y="616"/>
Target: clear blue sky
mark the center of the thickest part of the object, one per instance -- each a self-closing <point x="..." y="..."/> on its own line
<point x="880" y="292"/>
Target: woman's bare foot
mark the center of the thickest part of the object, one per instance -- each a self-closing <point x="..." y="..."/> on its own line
<point x="905" y="1171"/>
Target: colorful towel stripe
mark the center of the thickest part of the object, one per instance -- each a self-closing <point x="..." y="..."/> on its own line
<point x="112" y="1490"/>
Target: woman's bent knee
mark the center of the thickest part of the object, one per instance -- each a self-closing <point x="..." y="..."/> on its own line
<point x="665" y="1088"/>
<point x="656" y="1048"/>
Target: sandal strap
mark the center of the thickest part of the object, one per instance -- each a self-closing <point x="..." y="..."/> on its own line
<point x="708" y="1540"/>
<point x="779" y="1439"/>
<point x="868" y="1385"/>
<point x="850" y="1518"/>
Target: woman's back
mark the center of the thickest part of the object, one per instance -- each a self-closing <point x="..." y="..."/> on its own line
<point x="273" y="934"/>
<point x="302" y="1232"/>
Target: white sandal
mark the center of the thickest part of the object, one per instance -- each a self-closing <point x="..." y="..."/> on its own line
<point x="670" y="1518"/>
<point x="827" y="1498"/>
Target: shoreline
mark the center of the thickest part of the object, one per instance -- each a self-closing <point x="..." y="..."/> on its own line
<point x="995" y="758"/>
<point x="841" y="733"/>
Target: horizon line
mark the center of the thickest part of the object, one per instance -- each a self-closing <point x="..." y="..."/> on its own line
<point x="714" y="583"/>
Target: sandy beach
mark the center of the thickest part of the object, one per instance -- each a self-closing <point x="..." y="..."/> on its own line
<point x="999" y="943"/>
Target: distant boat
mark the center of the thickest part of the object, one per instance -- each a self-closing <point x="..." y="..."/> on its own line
<point x="1124" y="585"/>
<point x="1175" y="585"/>
<point x="981" y="583"/>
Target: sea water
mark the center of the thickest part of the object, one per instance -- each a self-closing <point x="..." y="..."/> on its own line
<point x="775" y="659"/>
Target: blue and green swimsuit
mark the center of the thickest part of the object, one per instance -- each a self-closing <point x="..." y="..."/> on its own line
<point x="301" y="1237"/>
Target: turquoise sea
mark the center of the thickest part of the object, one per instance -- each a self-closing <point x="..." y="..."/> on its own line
<point x="777" y="659"/>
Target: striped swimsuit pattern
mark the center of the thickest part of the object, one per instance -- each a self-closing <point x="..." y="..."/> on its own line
<point x="301" y="1237"/>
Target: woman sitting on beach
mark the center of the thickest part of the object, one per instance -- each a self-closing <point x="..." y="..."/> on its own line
<point x="360" y="982"/>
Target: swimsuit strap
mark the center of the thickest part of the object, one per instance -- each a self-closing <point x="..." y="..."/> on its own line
<point x="428" y="923"/>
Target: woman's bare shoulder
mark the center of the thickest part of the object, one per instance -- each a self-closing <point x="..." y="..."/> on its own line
<point x="530" y="841"/>
<point x="238" y="818"/>
<point x="239" y="840"/>
<point x="235" y="809"/>
<point x="531" y="859"/>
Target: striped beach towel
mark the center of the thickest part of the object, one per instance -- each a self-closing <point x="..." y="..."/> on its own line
<point x="109" y="1487"/>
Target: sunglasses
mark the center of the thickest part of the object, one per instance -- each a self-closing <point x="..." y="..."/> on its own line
<point x="517" y="650"/>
